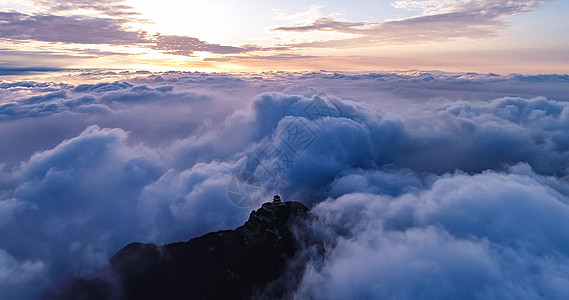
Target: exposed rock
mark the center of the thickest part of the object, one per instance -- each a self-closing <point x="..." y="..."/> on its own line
<point x="230" y="264"/>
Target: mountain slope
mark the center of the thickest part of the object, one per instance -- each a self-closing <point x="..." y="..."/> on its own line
<point x="230" y="264"/>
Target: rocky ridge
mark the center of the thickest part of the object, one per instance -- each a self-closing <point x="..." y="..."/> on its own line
<point x="244" y="263"/>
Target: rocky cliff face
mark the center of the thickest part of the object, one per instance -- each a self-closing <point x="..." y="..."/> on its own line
<point x="234" y="264"/>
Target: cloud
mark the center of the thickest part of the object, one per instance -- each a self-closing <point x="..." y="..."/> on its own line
<point x="20" y="71"/>
<point x="82" y="181"/>
<point x="14" y="273"/>
<point x="464" y="236"/>
<point x="90" y="98"/>
<point x="460" y="19"/>
<point x="326" y="23"/>
<point x="10" y="207"/>
<point x="423" y="184"/>
<point x="17" y="62"/>
<point x="108" y="29"/>
<point x="67" y="29"/>
<point x="107" y="7"/>
<point x="184" y="45"/>
<point x="429" y="6"/>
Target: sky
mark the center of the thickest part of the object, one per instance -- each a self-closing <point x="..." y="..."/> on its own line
<point x="500" y="36"/>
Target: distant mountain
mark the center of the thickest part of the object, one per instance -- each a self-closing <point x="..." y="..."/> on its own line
<point x="252" y="261"/>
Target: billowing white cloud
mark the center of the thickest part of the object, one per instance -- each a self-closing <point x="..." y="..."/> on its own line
<point x="425" y="185"/>
<point x="486" y="236"/>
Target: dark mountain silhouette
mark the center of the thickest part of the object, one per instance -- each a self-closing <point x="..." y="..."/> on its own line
<point x="256" y="260"/>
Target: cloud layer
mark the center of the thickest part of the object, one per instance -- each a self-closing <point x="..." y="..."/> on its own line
<point x="423" y="185"/>
<point x="494" y="235"/>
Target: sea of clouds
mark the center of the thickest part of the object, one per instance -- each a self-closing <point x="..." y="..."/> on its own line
<point x="424" y="185"/>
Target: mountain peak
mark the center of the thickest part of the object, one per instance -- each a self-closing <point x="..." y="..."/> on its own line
<point x="228" y="264"/>
<point x="274" y="218"/>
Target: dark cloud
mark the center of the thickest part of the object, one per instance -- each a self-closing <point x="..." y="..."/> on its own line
<point x="14" y="62"/>
<point x="423" y="184"/>
<point x="184" y="45"/>
<point x="19" y="71"/>
<point x="327" y="23"/>
<point x="269" y="58"/>
<point x="473" y="19"/>
<point x="107" y="7"/>
<point x="100" y="30"/>
<point x="67" y="29"/>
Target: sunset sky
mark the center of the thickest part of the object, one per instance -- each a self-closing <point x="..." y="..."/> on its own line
<point x="500" y="36"/>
